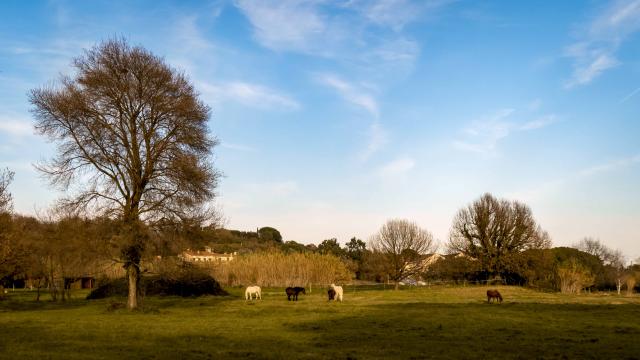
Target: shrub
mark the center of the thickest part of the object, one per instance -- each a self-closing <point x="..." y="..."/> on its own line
<point x="573" y="277"/>
<point x="109" y="288"/>
<point x="185" y="281"/>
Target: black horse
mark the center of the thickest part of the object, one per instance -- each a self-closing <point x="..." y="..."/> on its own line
<point x="292" y="292"/>
<point x="332" y="294"/>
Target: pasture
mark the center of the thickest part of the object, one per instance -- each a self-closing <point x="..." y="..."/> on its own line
<point x="440" y="322"/>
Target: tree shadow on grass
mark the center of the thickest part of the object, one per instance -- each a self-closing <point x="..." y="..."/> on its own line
<point x="148" y="346"/>
<point x="32" y="305"/>
<point x="424" y="330"/>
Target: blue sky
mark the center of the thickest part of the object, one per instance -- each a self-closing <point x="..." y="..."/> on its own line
<point x="335" y="116"/>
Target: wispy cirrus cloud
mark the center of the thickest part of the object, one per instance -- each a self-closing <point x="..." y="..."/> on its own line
<point x="15" y="126"/>
<point x="291" y="25"/>
<point x="550" y="186"/>
<point x="377" y="137"/>
<point x="539" y="122"/>
<point x="629" y="96"/>
<point x="367" y="33"/>
<point x="253" y="95"/>
<point x="484" y="134"/>
<point x="189" y="35"/>
<point x="610" y="166"/>
<point x="395" y="13"/>
<point x="397" y="167"/>
<point x="589" y="63"/>
<point x="239" y="147"/>
<point x="353" y="93"/>
<point x="596" y="51"/>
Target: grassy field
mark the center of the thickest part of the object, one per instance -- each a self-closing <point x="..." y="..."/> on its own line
<point x="441" y="322"/>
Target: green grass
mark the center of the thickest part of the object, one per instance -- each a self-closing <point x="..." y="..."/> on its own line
<point x="441" y="322"/>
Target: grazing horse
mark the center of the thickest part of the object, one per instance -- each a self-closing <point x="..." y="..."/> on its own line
<point x="338" y="290"/>
<point x="494" y="294"/>
<point x="332" y="294"/>
<point x="253" y="290"/>
<point x="292" y="292"/>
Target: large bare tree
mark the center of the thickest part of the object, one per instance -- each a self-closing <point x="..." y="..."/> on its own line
<point x="132" y="143"/>
<point x="493" y="230"/>
<point x="403" y="244"/>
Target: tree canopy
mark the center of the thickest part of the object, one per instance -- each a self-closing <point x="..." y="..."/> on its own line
<point x="403" y="243"/>
<point x="270" y="234"/>
<point x="491" y="230"/>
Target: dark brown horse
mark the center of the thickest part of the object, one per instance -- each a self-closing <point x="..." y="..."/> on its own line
<point x="332" y="294"/>
<point x="494" y="294"/>
<point x="292" y="292"/>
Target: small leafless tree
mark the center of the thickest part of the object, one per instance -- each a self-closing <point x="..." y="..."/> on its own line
<point x="404" y="244"/>
<point x="132" y="143"/>
<point x="492" y="231"/>
<point x="595" y="247"/>
<point x="6" y="177"/>
<point x="7" y="248"/>
<point x="613" y="260"/>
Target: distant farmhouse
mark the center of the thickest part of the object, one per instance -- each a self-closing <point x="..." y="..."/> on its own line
<point x="206" y="256"/>
<point x="429" y="260"/>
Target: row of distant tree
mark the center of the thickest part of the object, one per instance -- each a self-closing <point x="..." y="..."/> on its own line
<point x="491" y="240"/>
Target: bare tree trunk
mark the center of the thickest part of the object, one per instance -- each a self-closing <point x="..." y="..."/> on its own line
<point x="38" y="290"/>
<point x="619" y="286"/>
<point x="133" y="276"/>
<point x="397" y="285"/>
<point x="52" y="284"/>
<point x="63" y="290"/>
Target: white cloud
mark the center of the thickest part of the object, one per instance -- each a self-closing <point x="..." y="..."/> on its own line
<point x="189" y="36"/>
<point x="390" y="58"/>
<point x="286" y="24"/>
<point x="596" y="52"/>
<point x="49" y="58"/>
<point x="377" y="138"/>
<point x="630" y="95"/>
<point x="534" y="105"/>
<point x="539" y="122"/>
<point x="591" y="67"/>
<point x="551" y="186"/>
<point x="239" y="147"/>
<point x="392" y="13"/>
<point x="352" y="93"/>
<point x="362" y="33"/>
<point x="483" y="135"/>
<point x="253" y="95"/>
<point x="396" y="13"/>
<point x="15" y="126"/>
<point x="283" y="188"/>
<point x="397" y="167"/>
<point x="610" y="166"/>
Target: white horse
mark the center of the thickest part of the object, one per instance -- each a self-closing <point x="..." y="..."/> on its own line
<point x="253" y="290"/>
<point x="338" y="290"/>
